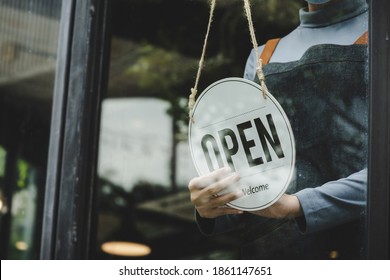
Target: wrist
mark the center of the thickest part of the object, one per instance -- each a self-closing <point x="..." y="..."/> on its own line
<point x="292" y="206"/>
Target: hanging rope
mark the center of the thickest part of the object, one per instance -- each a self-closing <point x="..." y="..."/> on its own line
<point x="259" y="69"/>
<point x="194" y="90"/>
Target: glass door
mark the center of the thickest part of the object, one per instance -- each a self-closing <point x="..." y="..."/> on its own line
<point x="28" y="53"/>
<point x="144" y="162"/>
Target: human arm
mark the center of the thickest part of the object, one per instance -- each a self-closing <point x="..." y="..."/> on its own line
<point x="212" y="213"/>
<point x="329" y="205"/>
<point x="205" y="190"/>
<point x="333" y="203"/>
<point x="287" y="207"/>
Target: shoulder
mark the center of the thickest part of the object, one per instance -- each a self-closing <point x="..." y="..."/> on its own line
<point x="251" y="64"/>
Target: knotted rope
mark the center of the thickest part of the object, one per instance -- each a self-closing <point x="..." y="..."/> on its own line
<point x="259" y="69"/>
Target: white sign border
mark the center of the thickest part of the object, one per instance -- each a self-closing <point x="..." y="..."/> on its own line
<point x="279" y="107"/>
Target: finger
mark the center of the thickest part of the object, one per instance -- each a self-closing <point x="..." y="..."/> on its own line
<point x="221" y="185"/>
<point x="210" y="178"/>
<point x="221" y="172"/>
<point x="222" y="200"/>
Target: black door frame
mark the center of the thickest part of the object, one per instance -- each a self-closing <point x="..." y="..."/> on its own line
<point x="378" y="214"/>
<point x="81" y="82"/>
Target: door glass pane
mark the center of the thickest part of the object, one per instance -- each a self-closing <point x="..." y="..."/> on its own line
<point x="3" y="203"/>
<point x="145" y="163"/>
<point x="28" y="51"/>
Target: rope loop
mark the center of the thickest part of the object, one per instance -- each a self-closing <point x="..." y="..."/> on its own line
<point x="259" y="69"/>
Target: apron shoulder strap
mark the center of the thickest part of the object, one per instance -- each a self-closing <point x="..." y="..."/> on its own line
<point x="363" y="40"/>
<point x="271" y="45"/>
<point x="268" y="50"/>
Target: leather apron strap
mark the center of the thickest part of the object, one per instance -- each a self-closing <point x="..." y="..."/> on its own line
<point x="268" y="50"/>
<point x="363" y="40"/>
<point x="271" y="45"/>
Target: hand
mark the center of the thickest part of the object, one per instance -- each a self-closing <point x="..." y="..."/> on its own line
<point x="288" y="206"/>
<point x="205" y="193"/>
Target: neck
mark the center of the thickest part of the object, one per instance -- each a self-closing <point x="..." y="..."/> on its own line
<point x="315" y="7"/>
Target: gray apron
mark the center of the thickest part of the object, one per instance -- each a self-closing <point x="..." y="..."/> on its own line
<point x="325" y="97"/>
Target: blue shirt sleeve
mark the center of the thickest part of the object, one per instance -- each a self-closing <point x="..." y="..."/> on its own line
<point x="333" y="203"/>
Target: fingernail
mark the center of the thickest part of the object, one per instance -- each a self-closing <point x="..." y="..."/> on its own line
<point x="239" y="193"/>
<point x="227" y="169"/>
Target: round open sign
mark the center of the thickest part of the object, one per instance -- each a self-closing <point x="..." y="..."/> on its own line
<point x="234" y="125"/>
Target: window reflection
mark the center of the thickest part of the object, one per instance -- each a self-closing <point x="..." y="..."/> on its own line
<point x="144" y="160"/>
<point x="135" y="142"/>
<point x="143" y="187"/>
<point x="24" y="212"/>
<point x="28" y="47"/>
<point x="3" y="201"/>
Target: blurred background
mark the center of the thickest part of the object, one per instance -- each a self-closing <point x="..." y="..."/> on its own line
<point x="144" y="163"/>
